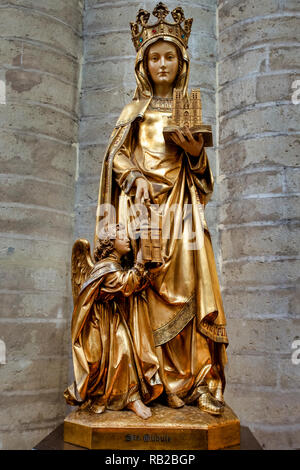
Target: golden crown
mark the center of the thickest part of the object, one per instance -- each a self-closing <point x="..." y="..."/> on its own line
<point x="142" y="32"/>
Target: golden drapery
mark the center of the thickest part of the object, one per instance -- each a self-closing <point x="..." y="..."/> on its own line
<point x="184" y="301"/>
<point x="111" y="366"/>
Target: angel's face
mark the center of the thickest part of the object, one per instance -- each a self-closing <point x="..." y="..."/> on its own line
<point x="122" y="243"/>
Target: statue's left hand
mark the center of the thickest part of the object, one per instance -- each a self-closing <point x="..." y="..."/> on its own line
<point x="187" y="142"/>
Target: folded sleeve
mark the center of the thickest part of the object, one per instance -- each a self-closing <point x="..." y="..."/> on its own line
<point x="126" y="282"/>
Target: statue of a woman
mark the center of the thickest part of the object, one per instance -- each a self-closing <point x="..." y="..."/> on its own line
<point x="184" y="300"/>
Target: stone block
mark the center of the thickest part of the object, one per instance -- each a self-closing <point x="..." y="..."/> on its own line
<point x="260" y="273"/>
<point x="107" y="100"/>
<point x="261" y="151"/>
<point x="94" y="3"/>
<point x="257" y="209"/>
<point x="87" y="192"/>
<point x="202" y="48"/>
<point x="259" y="32"/>
<point x="289" y="372"/>
<point x="202" y="76"/>
<point x="19" y="251"/>
<point x="10" y="52"/>
<point x="110" y="44"/>
<point x="252" y="370"/>
<point x="27" y="375"/>
<point x="32" y="155"/>
<point x="265" y="407"/>
<point x="233" y="11"/>
<point x="209" y="109"/>
<point x="22" y="85"/>
<point x="269" y="241"/>
<point x="95" y="131"/>
<point x="282" y="58"/>
<point x="285" y="437"/>
<point x="238" y="95"/>
<point x="213" y="163"/>
<point x="148" y="4"/>
<point x="21" y="304"/>
<point x="36" y="27"/>
<point x="204" y="18"/>
<point x="274" y="87"/>
<point x="279" y="118"/>
<point x="112" y="17"/>
<point x="108" y="73"/>
<point x="28" y="412"/>
<point x="260" y="89"/>
<point x="27" y="341"/>
<point x="211" y="216"/>
<point x="292" y="177"/>
<point x="50" y="225"/>
<point x="241" y="64"/>
<point x="263" y="336"/>
<point x="290" y="5"/>
<point x="69" y="11"/>
<point x="42" y="278"/>
<point x="50" y="61"/>
<point x="85" y="222"/>
<point x="90" y="160"/>
<point x="85" y="232"/>
<point x="264" y="182"/>
<point x="26" y="440"/>
<point x="38" y="119"/>
<point x="29" y="191"/>
<point x="258" y="303"/>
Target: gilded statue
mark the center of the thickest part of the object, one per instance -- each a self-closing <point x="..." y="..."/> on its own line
<point x="140" y="337"/>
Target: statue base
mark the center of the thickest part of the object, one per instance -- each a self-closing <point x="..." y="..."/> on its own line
<point x="204" y="129"/>
<point x="185" y="428"/>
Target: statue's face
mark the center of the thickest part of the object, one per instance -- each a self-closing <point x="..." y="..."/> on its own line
<point x="122" y="243"/>
<point x="162" y="63"/>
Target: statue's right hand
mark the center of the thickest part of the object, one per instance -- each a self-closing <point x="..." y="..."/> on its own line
<point x="142" y="191"/>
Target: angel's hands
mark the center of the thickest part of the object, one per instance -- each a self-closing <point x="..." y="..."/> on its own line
<point x="187" y="142"/>
<point x="157" y="268"/>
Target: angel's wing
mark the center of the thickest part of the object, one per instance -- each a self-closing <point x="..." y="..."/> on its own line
<point x="82" y="264"/>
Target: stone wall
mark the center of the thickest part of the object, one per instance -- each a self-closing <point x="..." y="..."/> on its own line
<point x="258" y="154"/>
<point x="246" y="89"/>
<point x="40" y="51"/>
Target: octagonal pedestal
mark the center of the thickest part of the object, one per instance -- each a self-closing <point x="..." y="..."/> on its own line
<point x="186" y="428"/>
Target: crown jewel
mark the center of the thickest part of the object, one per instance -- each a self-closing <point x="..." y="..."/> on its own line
<point x="142" y="32"/>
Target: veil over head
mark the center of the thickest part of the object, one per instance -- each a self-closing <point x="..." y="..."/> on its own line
<point x="144" y="91"/>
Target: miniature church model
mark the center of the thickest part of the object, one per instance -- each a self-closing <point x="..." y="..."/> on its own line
<point x="187" y="111"/>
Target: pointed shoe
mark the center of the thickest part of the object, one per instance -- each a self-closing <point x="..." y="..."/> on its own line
<point x="206" y="402"/>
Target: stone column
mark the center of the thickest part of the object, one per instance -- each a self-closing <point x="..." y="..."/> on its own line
<point x="259" y="191"/>
<point x="40" y="49"/>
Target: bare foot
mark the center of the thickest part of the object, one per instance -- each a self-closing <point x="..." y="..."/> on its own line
<point x="139" y="409"/>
